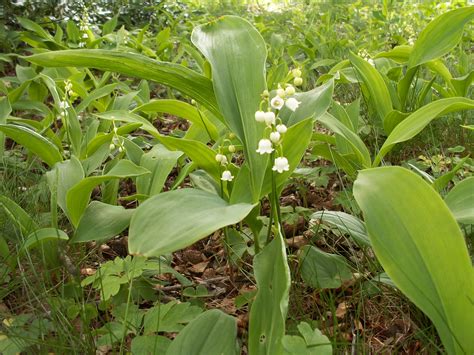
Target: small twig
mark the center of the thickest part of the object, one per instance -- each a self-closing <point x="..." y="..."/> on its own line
<point x="179" y="286"/>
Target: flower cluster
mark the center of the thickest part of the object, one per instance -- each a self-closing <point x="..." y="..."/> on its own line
<point x="117" y="141"/>
<point x="275" y="128"/>
<point x="223" y="160"/>
<point x="64" y="103"/>
<point x="85" y="29"/>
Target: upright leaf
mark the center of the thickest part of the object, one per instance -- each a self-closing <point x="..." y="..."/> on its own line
<point x="18" y="215"/>
<point x="414" y="124"/>
<point x="237" y="55"/>
<point x="268" y="312"/>
<point x="440" y="36"/>
<point x="460" y="201"/>
<point x="375" y="85"/>
<point x="78" y="196"/>
<point x="212" y="332"/>
<point x="419" y="243"/>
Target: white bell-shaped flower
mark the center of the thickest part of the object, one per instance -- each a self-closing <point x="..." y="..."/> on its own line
<point x="221" y="158"/>
<point x="281" y="165"/>
<point x="227" y="176"/>
<point x="260" y="116"/>
<point x="269" y="118"/>
<point x="277" y="102"/>
<point x="281" y="128"/>
<point x="275" y="137"/>
<point x="292" y="103"/>
<point x="264" y="146"/>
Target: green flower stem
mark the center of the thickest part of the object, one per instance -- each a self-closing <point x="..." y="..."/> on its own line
<point x="275" y="214"/>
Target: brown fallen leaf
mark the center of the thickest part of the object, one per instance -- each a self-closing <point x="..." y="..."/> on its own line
<point x="199" y="268"/>
<point x="341" y="310"/>
<point x="297" y="241"/>
<point x="87" y="271"/>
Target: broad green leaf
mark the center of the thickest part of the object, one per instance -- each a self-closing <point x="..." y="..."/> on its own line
<point x="393" y="119"/>
<point x="440" y="36"/>
<point x="182" y="217"/>
<point x="169" y="317"/>
<point x="460" y="201"/>
<point x="461" y="85"/>
<point x="38" y="126"/>
<point x="351" y="138"/>
<point x="181" y="109"/>
<point x="34" y="142"/>
<point x="101" y="138"/>
<point x="62" y="177"/>
<point x="18" y="215"/>
<point x="203" y="181"/>
<point x="94" y="95"/>
<point x="135" y="65"/>
<point x="5" y="110"/>
<point x="442" y="181"/>
<point x="125" y="116"/>
<point x="213" y="332"/>
<point x="399" y="54"/>
<point x="78" y="196"/>
<point x="34" y="27"/>
<point x="150" y="344"/>
<point x="101" y="221"/>
<point x="323" y="270"/>
<point x="110" y="25"/>
<point x="237" y="54"/>
<point x="414" y="124"/>
<point x="418" y="242"/>
<point x="198" y="152"/>
<point x="41" y="236"/>
<point x="375" y="85"/>
<point x="313" y="342"/>
<point x="325" y="151"/>
<point x="345" y="223"/>
<point x="269" y="309"/>
<point x="159" y="161"/>
<point x="312" y="104"/>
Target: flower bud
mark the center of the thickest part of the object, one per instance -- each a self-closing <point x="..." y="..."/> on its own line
<point x="231" y="148"/>
<point x="298" y="81"/>
<point x="269" y="118"/>
<point x="296" y="73"/>
<point x="290" y="90"/>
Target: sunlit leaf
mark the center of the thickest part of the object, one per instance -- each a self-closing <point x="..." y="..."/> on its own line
<point x="420" y="246"/>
